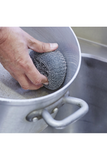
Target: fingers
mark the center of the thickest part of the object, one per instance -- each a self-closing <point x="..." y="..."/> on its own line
<point x="34" y="75"/>
<point x="40" y="46"/>
<point x="28" y="76"/>
<point x="43" y="47"/>
<point x="25" y="83"/>
<point x="15" y="58"/>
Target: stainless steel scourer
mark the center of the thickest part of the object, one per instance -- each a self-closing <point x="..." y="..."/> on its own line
<point x="52" y="65"/>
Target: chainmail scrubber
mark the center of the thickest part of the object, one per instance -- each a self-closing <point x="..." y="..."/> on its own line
<point x="52" y="65"/>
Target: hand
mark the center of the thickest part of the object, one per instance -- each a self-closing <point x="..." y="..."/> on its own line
<point x="14" y="56"/>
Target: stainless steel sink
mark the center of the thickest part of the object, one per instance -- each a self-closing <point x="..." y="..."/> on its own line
<point x="90" y="84"/>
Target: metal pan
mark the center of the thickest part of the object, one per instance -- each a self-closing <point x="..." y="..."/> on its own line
<point x="17" y="105"/>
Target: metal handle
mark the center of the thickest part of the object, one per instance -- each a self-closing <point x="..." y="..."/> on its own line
<point x="70" y="119"/>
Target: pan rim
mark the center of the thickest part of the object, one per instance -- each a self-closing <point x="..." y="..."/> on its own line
<point x="22" y="101"/>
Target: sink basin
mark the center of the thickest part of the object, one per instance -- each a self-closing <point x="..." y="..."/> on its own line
<point x="91" y="86"/>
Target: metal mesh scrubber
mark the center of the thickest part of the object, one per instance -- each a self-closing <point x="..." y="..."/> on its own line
<point x="52" y="65"/>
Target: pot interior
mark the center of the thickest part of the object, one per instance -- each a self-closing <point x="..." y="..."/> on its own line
<point x="68" y="46"/>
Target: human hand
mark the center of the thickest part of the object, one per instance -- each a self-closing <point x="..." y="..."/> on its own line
<point x="14" y="56"/>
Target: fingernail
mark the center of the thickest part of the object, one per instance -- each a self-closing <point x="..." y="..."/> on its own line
<point x="53" y="45"/>
<point x="46" y="83"/>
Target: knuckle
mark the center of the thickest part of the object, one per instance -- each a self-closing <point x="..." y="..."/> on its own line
<point x="25" y="65"/>
<point x="37" y="82"/>
<point x="43" y="47"/>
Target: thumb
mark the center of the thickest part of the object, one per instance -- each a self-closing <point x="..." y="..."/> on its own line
<point x="41" y="47"/>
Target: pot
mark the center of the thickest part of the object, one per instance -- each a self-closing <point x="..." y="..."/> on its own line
<point x="90" y="85"/>
<point x="30" y="111"/>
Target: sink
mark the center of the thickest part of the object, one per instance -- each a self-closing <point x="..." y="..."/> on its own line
<point x="91" y="86"/>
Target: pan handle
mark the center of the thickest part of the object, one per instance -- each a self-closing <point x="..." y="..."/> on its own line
<point x="70" y="119"/>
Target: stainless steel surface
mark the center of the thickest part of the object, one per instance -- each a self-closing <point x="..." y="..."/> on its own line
<point x="46" y="113"/>
<point x="70" y="119"/>
<point x="90" y="85"/>
<point x="92" y="40"/>
<point x="12" y="94"/>
<point x="16" y="103"/>
<point x="93" y="34"/>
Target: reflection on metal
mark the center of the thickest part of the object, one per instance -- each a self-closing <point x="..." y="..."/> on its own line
<point x="90" y="85"/>
<point x="93" y="40"/>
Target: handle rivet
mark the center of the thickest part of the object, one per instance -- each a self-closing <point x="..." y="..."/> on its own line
<point x="55" y="110"/>
<point x="35" y="119"/>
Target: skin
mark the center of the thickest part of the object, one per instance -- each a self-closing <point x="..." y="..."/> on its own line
<point x="14" y="56"/>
